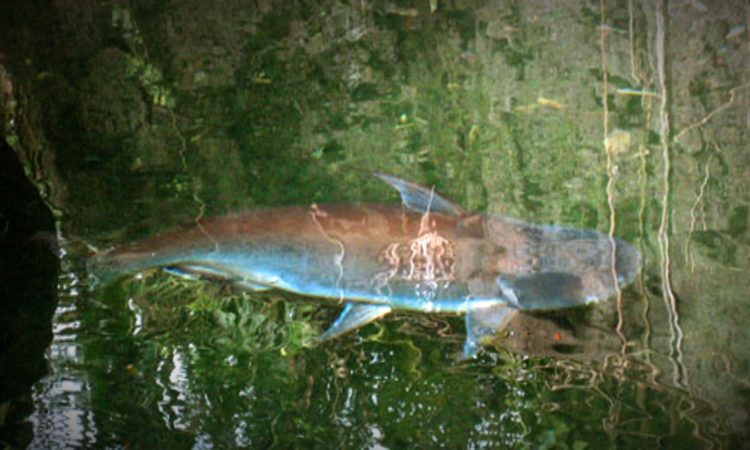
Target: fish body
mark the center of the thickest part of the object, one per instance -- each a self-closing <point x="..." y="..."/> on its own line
<point x="428" y="255"/>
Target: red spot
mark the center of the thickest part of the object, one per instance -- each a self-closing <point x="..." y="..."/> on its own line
<point x="558" y="336"/>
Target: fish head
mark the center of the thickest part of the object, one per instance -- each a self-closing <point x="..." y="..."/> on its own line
<point x="547" y="266"/>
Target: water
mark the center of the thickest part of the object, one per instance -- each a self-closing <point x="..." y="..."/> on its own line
<point x="132" y="118"/>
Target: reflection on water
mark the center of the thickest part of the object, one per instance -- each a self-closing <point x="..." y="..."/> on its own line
<point x="28" y="273"/>
<point x="63" y="416"/>
<point x="629" y="118"/>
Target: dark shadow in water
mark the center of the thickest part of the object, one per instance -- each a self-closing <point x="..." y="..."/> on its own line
<point x="28" y="282"/>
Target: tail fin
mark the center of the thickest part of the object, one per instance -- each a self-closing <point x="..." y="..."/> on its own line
<point x="105" y="268"/>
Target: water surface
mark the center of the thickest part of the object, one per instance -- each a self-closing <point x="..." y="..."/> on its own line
<point x="629" y="118"/>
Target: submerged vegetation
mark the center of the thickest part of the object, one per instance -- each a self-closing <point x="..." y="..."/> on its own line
<point x="231" y="323"/>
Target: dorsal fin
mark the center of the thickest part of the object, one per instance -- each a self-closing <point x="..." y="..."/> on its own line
<point x="420" y="199"/>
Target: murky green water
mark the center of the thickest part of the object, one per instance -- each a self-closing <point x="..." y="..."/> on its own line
<point x="624" y="117"/>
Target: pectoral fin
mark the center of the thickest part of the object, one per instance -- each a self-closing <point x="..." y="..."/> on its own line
<point x="482" y="322"/>
<point x="545" y="290"/>
<point x="420" y="199"/>
<point x="197" y="272"/>
<point x="204" y="272"/>
<point x="354" y="316"/>
<point x="245" y="285"/>
<point x="181" y="273"/>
